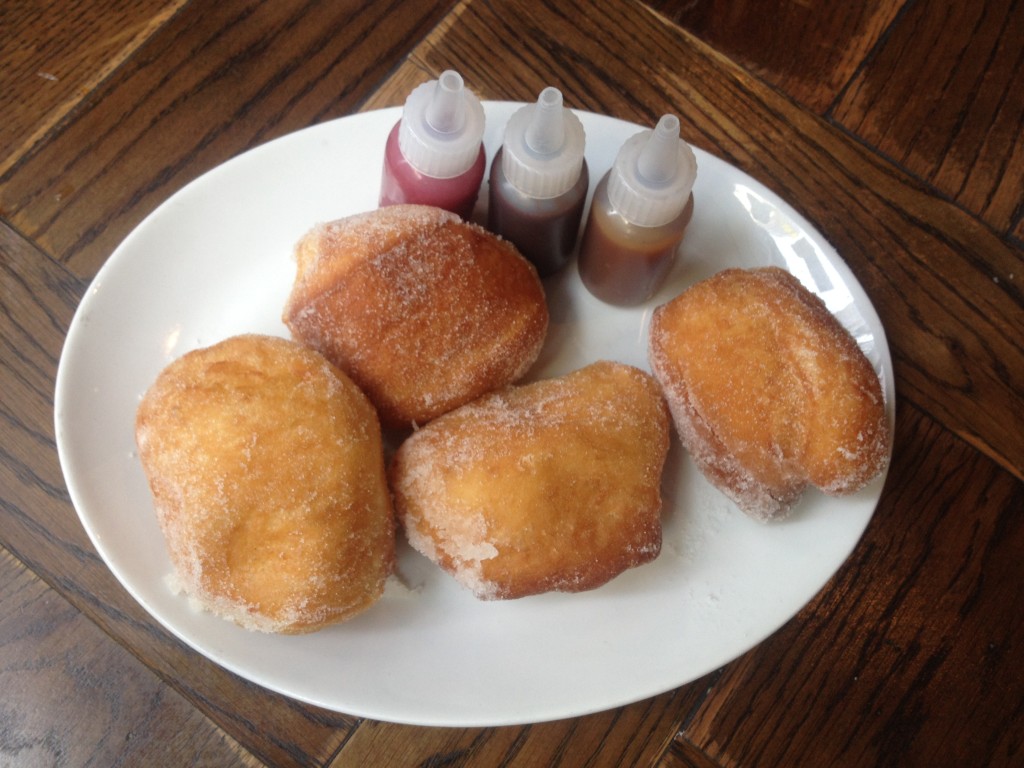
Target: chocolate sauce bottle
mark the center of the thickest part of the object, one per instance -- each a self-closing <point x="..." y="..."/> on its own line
<point x="539" y="182"/>
<point x="434" y="155"/>
<point x="638" y="216"/>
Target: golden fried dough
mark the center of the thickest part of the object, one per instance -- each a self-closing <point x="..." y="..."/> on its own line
<point x="553" y="485"/>
<point x="423" y="310"/>
<point x="267" y="473"/>
<point x="769" y="393"/>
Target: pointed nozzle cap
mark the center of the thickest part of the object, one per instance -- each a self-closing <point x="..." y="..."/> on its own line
<point x="442" y="127"/>
<point x="653" y="175"/>
<point x="446" y="110"/>
<point x="542" y="155"/>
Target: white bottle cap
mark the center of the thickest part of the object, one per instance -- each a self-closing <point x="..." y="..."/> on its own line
<point x="542" y="154"/>
<point x="442" y="126"/>
<point x="653" y="175"/>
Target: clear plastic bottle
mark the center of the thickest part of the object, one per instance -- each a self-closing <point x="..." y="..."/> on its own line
<point x="434" y="155"/>
<point x="638" y="216"/>
<point x="539" y="182"/>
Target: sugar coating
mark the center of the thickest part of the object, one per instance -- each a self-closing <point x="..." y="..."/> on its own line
<point x="768" y="392"/>
<point x="267" y="473"/>
<point x="423" y="310"/>
<point x="554" y="485"/>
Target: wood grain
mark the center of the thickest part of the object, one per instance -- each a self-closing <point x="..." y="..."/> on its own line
<point x="911" y="656"/>
<point x="808" y="49"/>
<point x="216" y="80"/>
<point x="74" y="697"/>
<point x="955" y="120"/>
<point x="634" y="735"/>
<point x="55" y="56"/>
<point x="682" y="753"/>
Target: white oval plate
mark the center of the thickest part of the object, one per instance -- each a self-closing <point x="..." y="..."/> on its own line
<point x="216" y="260"/>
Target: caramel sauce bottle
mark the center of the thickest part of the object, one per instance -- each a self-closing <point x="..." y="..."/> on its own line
<point x="434" y="155"/>
<point x="638" y="216"/>
<point x="539" y="182"/>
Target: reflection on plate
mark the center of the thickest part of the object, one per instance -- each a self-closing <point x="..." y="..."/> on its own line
<point x="215" y="260"/>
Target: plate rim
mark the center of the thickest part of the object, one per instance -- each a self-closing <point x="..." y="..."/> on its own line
<point x="123" y="251"/>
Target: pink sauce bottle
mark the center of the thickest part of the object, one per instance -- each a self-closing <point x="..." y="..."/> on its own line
<point x="539" y="182"/>
<point x="639" y="213"/>
<point x="434" y="155"/>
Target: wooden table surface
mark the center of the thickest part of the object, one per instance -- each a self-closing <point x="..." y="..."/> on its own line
<point x="894" y="126"/>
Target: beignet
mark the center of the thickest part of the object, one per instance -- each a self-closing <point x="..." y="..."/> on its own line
<point x="423" y="310"/>
<point x="267" y="473"/>
<point x="553" y="485"/>
<point x="768" y="392"/>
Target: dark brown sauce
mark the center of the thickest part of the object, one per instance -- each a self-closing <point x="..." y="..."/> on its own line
<point x="544" y="230"/>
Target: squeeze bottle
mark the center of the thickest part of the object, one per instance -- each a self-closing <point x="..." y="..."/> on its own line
<point x="638" y="216"/>
<point x="434" y="155"/>
<point x="539" y="182"/>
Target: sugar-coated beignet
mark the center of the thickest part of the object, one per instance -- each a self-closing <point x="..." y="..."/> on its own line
<point x="267" y="473"/>
<point x="549" y="486"/>
<point x="423" y="310"/>
<point x="769" y="393"/>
